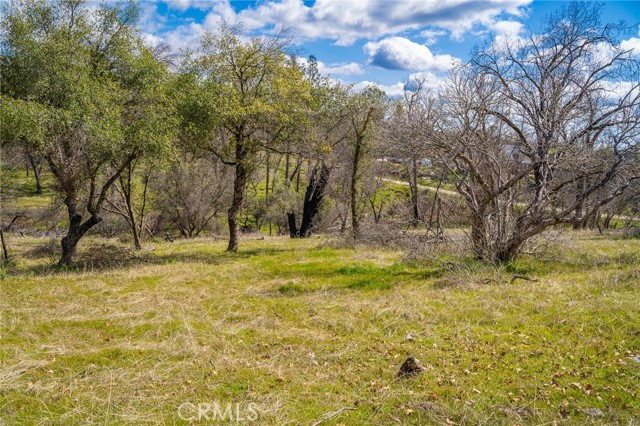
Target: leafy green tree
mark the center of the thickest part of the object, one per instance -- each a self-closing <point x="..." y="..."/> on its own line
<point x="95" y="93"/>
<point x="255" y="97"/>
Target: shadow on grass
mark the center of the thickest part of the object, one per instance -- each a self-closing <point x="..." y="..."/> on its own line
<point x="107" y="257"/>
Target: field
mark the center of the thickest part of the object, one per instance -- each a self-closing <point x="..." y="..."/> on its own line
<point x="309" y="332"/>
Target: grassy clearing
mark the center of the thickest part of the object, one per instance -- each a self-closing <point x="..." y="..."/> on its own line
<point x="18" y="191"/>
<point x="303" y="329"/>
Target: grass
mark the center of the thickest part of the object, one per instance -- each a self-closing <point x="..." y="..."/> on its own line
<point x="19" y="190"/>
<point x="304" y="328"/>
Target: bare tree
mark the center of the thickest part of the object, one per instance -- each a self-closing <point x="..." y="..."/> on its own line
<point x="192" y="192"/>
<point x="121" y="201"/>
<point x="519" y="117"/>
<point x="404" y="136"/>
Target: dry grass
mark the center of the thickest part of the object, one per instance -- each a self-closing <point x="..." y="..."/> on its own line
<point x="306" y="328"/>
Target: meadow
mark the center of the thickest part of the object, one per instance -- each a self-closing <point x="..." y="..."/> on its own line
<point x="314" y="331"/>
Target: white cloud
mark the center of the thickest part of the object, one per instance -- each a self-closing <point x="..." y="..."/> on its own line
<point x="183" y="5"/>
<point x="393" y="91"/>
<point x="179" y="4"/>
<point x="348" y="21"/>
<point x="429" y="81"/>
<point x="343" y="22"/>
<point x="431" y="36"/>
<point x="399" y="53"/>
<point x="615" y="90"/>
<point x="350" y="68"/>
<point x="150" y="20"/>
<point x="151" y="40"/>
<point x="506" y="33"/>
<point x="631" y="44"/>
<point x="184" y="36"/>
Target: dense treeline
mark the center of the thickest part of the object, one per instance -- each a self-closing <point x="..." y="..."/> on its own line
<point x="531" y="134"/>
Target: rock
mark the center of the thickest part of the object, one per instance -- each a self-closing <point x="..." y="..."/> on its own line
<point x="410" y="337"/>
<point x="593" y="412"/>
<point x="411" y="367"/>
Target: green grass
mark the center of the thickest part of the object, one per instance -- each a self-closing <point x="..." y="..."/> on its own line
<point x="19" y="190"/>
<point x="303" y="329"/>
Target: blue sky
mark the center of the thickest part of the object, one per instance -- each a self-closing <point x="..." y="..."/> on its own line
<point x="371" y="41"/>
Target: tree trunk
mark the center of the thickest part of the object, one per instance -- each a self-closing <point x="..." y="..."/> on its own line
<point x="75" y="232"/>
<point x="508" y="253"/>
<point x="238" y="194"/>
<point x="298" y="168"/>
<point x="126" y="189"/>
<point x="355" y="224"/>
<point x="36" y="173"/>
<point x="5" y="252"/>
<point x="579" y="212"/>
<point x="313" y="198"/>
<point x="478" y="236"/>
<point x="414" y="195"/>
<point x="413" y="184"/>
<point x="266" y="186"/>
<point x="293" y="229"/>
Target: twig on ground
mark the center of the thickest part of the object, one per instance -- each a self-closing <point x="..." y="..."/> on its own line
<point x="522" y="277"/>
<point x="333" y="414"/>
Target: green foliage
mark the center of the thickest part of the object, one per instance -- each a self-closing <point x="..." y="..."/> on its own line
<point x="251" y="90"/>
<point x="81" y="81"/>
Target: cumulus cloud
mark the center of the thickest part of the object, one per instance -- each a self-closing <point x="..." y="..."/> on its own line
<point x="179" y="4"/>
<point x="428" y="80"/>
<point x="399" y="53"/>
<point x="631" y="44"/>
<point x="348" y="21"/>
<point x="350" y="68"/>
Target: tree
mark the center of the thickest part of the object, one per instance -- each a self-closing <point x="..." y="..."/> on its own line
<point x="519" y="117"/>
<point x="192" y="191"/>
<point x="327" y="127"/>
<point x="256" y="97"/>
<point x="404" y="136"/>
<point x="94" y="90"/>
<point x="365" y="110"/>
<point x="121" y="201"/>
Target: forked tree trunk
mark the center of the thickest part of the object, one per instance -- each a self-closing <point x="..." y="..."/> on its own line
<point x="75" y="231"/>
<point x="508" y="253"/>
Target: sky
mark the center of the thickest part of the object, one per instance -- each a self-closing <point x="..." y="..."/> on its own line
<point x="384" y="42"/>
